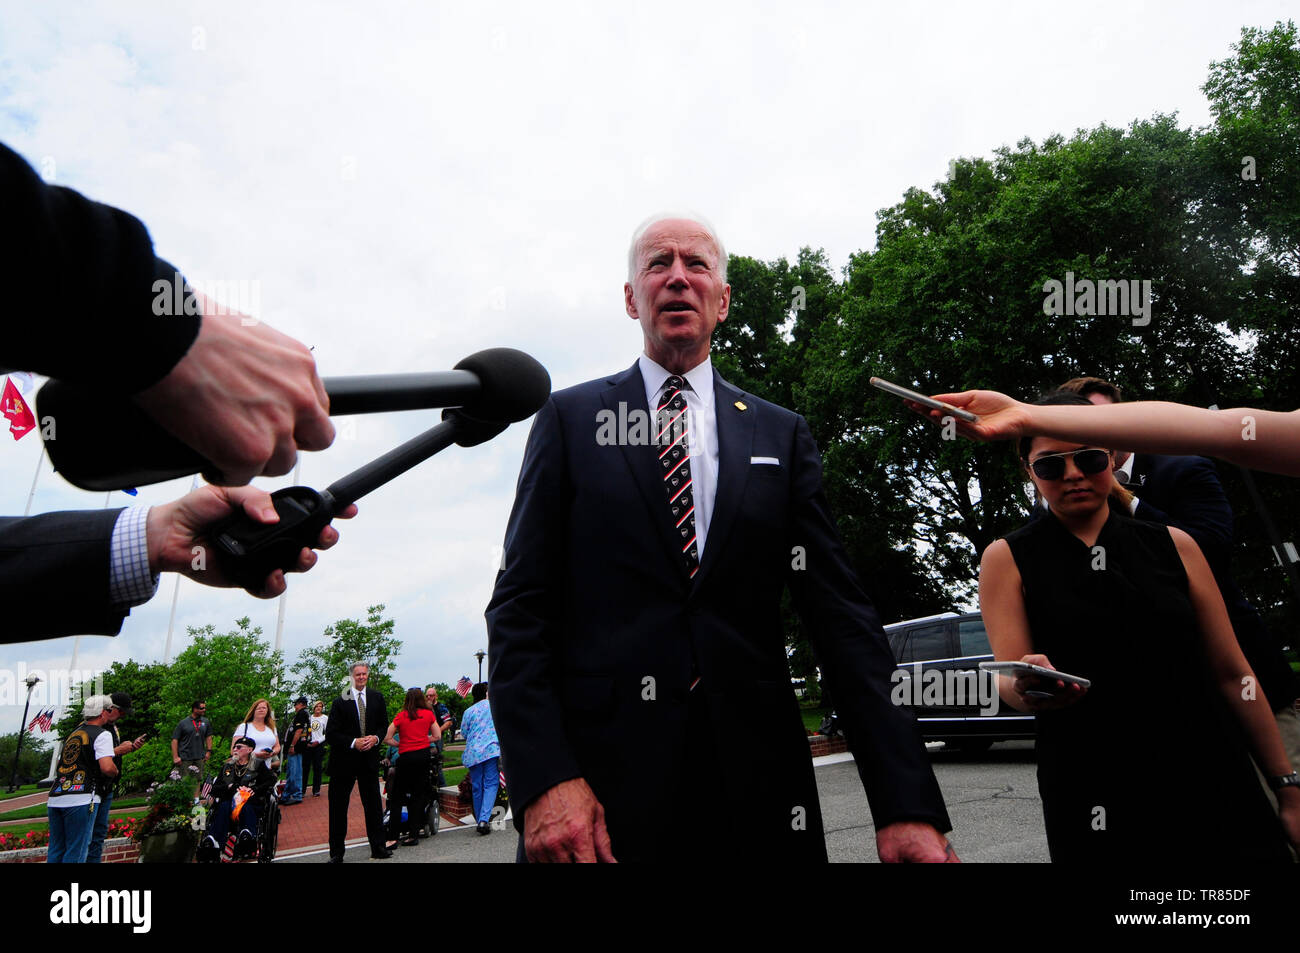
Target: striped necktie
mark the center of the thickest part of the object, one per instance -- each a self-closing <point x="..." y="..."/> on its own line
<point x="672" y="442"/>
<point x="361" y="712"/>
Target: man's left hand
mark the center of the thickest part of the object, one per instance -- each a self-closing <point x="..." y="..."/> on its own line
<point x="914" y="842"/>
<point x="175" y="529"/>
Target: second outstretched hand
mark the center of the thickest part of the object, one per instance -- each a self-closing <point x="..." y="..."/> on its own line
<point x="175" y="530"/>
<point x="1000" y="417"/>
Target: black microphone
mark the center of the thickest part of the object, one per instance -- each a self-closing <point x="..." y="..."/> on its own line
<point x="113" y="445"/>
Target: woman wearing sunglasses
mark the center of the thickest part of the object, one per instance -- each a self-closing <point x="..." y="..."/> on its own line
<point x="1151" y="760"/>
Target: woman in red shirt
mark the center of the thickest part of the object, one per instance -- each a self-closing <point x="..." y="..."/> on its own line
<point x="416" y="729"/>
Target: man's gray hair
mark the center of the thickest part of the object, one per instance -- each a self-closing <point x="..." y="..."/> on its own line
<point x="671" y="216"/>
<point x="352" y="669"/>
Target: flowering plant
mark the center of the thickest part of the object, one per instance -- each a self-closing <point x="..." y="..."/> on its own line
<point x="171" y="803"/>
<point x="28" y="839"/>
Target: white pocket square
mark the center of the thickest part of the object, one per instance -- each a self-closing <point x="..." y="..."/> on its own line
<point x="764" y="461"/>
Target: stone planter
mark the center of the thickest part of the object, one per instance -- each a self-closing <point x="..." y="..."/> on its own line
<point x="173" y="847"/>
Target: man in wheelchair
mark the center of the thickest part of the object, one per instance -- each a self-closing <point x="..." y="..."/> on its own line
<point x="241" y="793"/>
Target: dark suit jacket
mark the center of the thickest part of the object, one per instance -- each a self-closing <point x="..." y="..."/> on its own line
<point x="342" y="729"/>
<point x="1185" y="492"/>
<point x="54" y="572"/>
<point x="595" y="632"/>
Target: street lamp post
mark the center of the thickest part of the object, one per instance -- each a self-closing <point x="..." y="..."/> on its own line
<point x="480" y="655"/>
<point x="22" y="731"/>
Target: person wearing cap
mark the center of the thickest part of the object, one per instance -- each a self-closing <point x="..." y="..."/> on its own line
<point x="85" y="762"/>
<point x="240" y="784"/>
<point x="121" y="706"/>
<point x="299" y="734"/>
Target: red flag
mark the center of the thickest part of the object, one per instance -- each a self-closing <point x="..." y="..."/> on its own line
<point x="16" y="410"/>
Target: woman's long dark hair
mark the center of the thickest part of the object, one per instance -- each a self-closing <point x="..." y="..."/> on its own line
<point x="415" y="700"/>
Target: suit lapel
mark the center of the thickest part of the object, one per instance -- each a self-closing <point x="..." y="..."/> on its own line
<point x="629" y="391"/>
<point x="735" y="444"/>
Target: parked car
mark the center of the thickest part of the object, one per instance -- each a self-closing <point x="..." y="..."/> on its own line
<point x="938" y="679"/>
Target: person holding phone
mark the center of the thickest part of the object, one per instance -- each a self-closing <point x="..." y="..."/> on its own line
<point x="259" y="725"/>
<point x="1266" y="440"/>
<point x="1148" y="761"/>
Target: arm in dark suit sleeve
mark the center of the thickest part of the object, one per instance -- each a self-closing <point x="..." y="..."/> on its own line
<point x="1203" y="512"/>
<point x="522" y="620"/>
<point x="338" y="730"/>
<point x="80" y="280"/>
<point x="855" y="658"/>
<point x="54" y="575"/>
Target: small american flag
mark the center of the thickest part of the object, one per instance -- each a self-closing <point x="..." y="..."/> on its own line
<point x="463" y="686"/>
<point x="42" y="720"/>
<point x="501" y="777"/>
<point x="206" y="788"/>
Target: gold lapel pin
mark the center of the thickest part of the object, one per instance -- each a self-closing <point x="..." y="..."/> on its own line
<point x="740" y="405"/>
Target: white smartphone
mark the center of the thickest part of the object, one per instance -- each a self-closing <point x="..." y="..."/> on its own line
<point x="921" y="399"/>
<point x="1015" y="669"/>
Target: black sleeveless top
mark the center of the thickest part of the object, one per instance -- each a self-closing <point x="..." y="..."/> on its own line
<point x="1150" y="763"/>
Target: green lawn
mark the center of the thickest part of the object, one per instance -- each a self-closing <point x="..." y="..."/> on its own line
<point x="22" y="790"/>
<point x="38" y="810"/>
<point x="812" y="717"/>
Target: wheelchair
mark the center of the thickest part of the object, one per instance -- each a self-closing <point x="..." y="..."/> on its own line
<point x="261" y="846"/>
<point x="396" y="800"/>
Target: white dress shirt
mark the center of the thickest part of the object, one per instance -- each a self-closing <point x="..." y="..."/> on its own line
<point x="701" y="432"/>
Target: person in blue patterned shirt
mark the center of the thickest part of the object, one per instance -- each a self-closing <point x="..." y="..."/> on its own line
<point x="482" y="756"/>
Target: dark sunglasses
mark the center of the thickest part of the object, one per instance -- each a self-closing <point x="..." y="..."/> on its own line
<point x="1052" y="466"/>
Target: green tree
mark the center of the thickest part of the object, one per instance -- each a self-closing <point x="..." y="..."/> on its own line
<point x="321" y="671"/>
<point x="229" y="671"/>
<point x="34" y="762"/>
<point x="145" y="684"/>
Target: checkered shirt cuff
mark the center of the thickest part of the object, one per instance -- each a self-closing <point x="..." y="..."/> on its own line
<point x="130" y="582"/>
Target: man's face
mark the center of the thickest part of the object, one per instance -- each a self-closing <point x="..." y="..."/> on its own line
<point x="319" y="709"/>
<point x="198" y="711"/>
<point x="432" y="696"/>
<point x="360" y="676"/>
<point x="111" y="715"/>
<point x="676" y="292"/>
<point x="242" y="753"/>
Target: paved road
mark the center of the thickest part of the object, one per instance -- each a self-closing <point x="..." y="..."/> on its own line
<point x="992" y="799"/>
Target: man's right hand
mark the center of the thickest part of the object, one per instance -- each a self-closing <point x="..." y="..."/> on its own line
<point x="566" y="824"/>
<point x="245" y="396"/>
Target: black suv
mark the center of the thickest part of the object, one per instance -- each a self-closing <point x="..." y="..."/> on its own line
<point x="938" y="680"/>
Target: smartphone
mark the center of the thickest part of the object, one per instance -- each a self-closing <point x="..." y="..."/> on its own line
<point x="1015" y="669"/>
<point x="903" y="392"/>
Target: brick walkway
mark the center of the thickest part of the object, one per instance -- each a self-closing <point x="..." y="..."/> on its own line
<point x="305" y="826"/>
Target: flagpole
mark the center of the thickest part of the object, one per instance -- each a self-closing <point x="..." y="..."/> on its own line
<point x="40" y="459"/>
<point x="280" y="615"/>
<point x="72" y="668"/>
<point x="176" y="594"/>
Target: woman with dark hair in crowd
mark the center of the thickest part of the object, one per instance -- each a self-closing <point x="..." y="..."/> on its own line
<point x="415" y="728"/>
<point x="1150" y="761"/>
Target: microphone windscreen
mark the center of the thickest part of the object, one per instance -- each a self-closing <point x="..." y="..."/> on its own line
<point x="514" y="387"/>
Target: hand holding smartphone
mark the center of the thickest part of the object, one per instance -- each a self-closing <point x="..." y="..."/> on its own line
<point x="890" y="388"/>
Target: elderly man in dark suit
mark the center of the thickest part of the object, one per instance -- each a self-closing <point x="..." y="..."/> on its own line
<point x="357" y="720"/>
<point x="639" y="681"/>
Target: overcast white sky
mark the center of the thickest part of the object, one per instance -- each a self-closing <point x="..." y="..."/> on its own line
<point x="410" y="183"/>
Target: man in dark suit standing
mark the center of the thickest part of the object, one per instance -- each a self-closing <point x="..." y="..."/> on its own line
<point x="1185" y="492"/>
<point x="639" y="680"/>
<point x="357" y="719"/>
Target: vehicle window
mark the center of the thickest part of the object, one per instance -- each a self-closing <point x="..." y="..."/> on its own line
<point x="926" y="642"/>
<point x="972" y="638"/>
